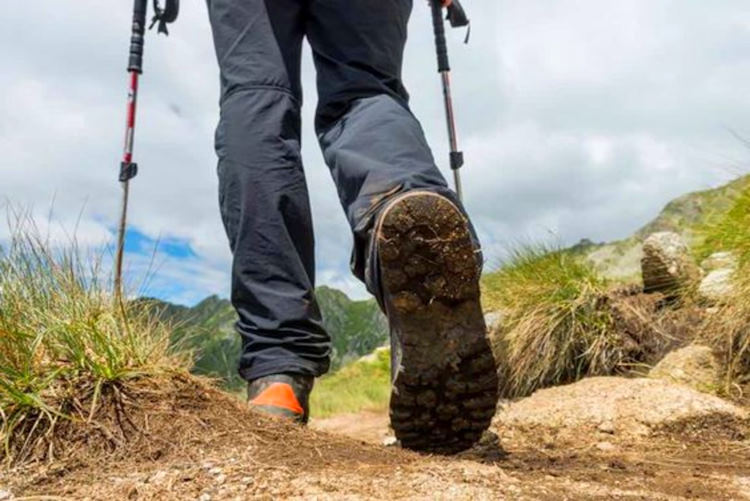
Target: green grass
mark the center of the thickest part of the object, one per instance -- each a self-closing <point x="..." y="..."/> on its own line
<point x="557" y="325"/>
<point x="361" y="385"/>
<point x="64" y="343"/>
<point x="729" y="230"/>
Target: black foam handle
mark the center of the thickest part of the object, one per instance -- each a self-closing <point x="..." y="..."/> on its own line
<point x="137" y="39"/>
<point x="441" y="45"/>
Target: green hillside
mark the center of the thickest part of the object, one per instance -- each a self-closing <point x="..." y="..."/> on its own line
<point x="356" y="328"/>
<point x="685" y="215"/>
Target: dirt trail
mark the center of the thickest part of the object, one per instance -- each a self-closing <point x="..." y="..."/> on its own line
<point x="249" y="456"/>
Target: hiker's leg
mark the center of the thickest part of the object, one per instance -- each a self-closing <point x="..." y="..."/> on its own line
<point x="263" y="194"/>
<point x="371" y="141"/>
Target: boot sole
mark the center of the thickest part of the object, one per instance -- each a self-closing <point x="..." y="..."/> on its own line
<point x="445" y="380"/>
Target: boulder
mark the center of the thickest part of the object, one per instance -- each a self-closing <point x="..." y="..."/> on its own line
<point x="666" y="264"/>
<point x="695" y="366"/>
<point x="616" y="406"/>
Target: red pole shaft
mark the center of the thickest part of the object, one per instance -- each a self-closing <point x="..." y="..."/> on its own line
<point x="127" y="159"/>
<point x="130" y="124"/>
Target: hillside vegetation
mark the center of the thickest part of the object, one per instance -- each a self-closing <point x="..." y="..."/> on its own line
<point x="364" y="384"/>
<point x="564" y="317"/>
<point x="356" y="329"/>
<point x="686" y="215"/>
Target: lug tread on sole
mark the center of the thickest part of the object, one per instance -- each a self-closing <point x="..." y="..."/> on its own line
<point x="445" y="393"/>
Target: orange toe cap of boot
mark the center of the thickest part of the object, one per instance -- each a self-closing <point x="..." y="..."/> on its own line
<point x="279" y="395"/>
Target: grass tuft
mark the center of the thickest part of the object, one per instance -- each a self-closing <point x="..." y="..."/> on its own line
<point x="558" y="322"/>
<point x="729" y="230"/>
<point x="729" y="333"/>
<point x="65" y="346"/>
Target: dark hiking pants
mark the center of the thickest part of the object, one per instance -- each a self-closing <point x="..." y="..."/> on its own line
<point x="374" y="146"/>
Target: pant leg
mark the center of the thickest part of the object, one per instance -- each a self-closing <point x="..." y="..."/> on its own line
<point x="262" y="189"/>
<point x="373" y="144"/>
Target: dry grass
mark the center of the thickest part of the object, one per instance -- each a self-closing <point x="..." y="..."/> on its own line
<point x="728" y="331"/>
<point x="560" y="323"/>
<point x="66" y="349"/>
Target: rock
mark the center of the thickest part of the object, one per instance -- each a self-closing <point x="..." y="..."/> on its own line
<point x="633" y="406"/>
<point x="390" y="441"/>
<point x="158" y="477"/>
<point x="717" y="285"/>
<point x="605" y="446"/>
<point x="494" y="320"/>
<point x="719" y="260"/>
<point x="694" y="366"/>
<point x="5" y="495"/>
<point x="606" y="427"/>
<point x="205" y="497"/>
<point x="666" y="265"/>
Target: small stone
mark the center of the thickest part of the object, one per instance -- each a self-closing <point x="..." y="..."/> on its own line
<point x="717" y="285"/>
<point x="695" y="366"/>
<point x="606" y="427"/>
<point x="5" y="495"/>
<point x="215" y="471"/>
<point x="605" y="446"/>
<point x="158" y="477"/>
<point x="207" y="465"/>
<point x="220" y="479"/>
<point x="390" y="441"/>
<point x="493" y="320"/>
<point x="246" y="480"/>
<point x="205" y="497"/>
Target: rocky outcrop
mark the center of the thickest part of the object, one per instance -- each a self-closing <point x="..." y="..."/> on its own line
<point x="617" y="406"/>
<point x="695" y="366"/>
<point x="666" y="264"/>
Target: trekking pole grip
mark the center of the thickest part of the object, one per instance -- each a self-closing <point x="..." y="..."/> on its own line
<point x="441" y="44"/>
<point x="137" y="39"/>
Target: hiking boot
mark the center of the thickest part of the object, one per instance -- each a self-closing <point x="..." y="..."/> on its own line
<point x="282" y="395"/>
<point x="443" y="372"/>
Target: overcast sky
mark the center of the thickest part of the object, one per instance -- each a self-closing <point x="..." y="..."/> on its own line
<point x="579" y="119"/>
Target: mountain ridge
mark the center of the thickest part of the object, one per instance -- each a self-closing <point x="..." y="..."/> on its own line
<point x="356" y="328"/>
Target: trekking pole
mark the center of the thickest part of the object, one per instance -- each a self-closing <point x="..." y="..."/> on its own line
<point x="128" y="168"/>
<point x="457" y="18"/>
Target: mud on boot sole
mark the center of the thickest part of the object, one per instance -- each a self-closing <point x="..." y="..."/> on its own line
<point x="445" y="380"/>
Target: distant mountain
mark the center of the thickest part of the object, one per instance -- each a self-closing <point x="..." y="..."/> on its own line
<point x="356" y="329"/>
<point x="684" y="215"/>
